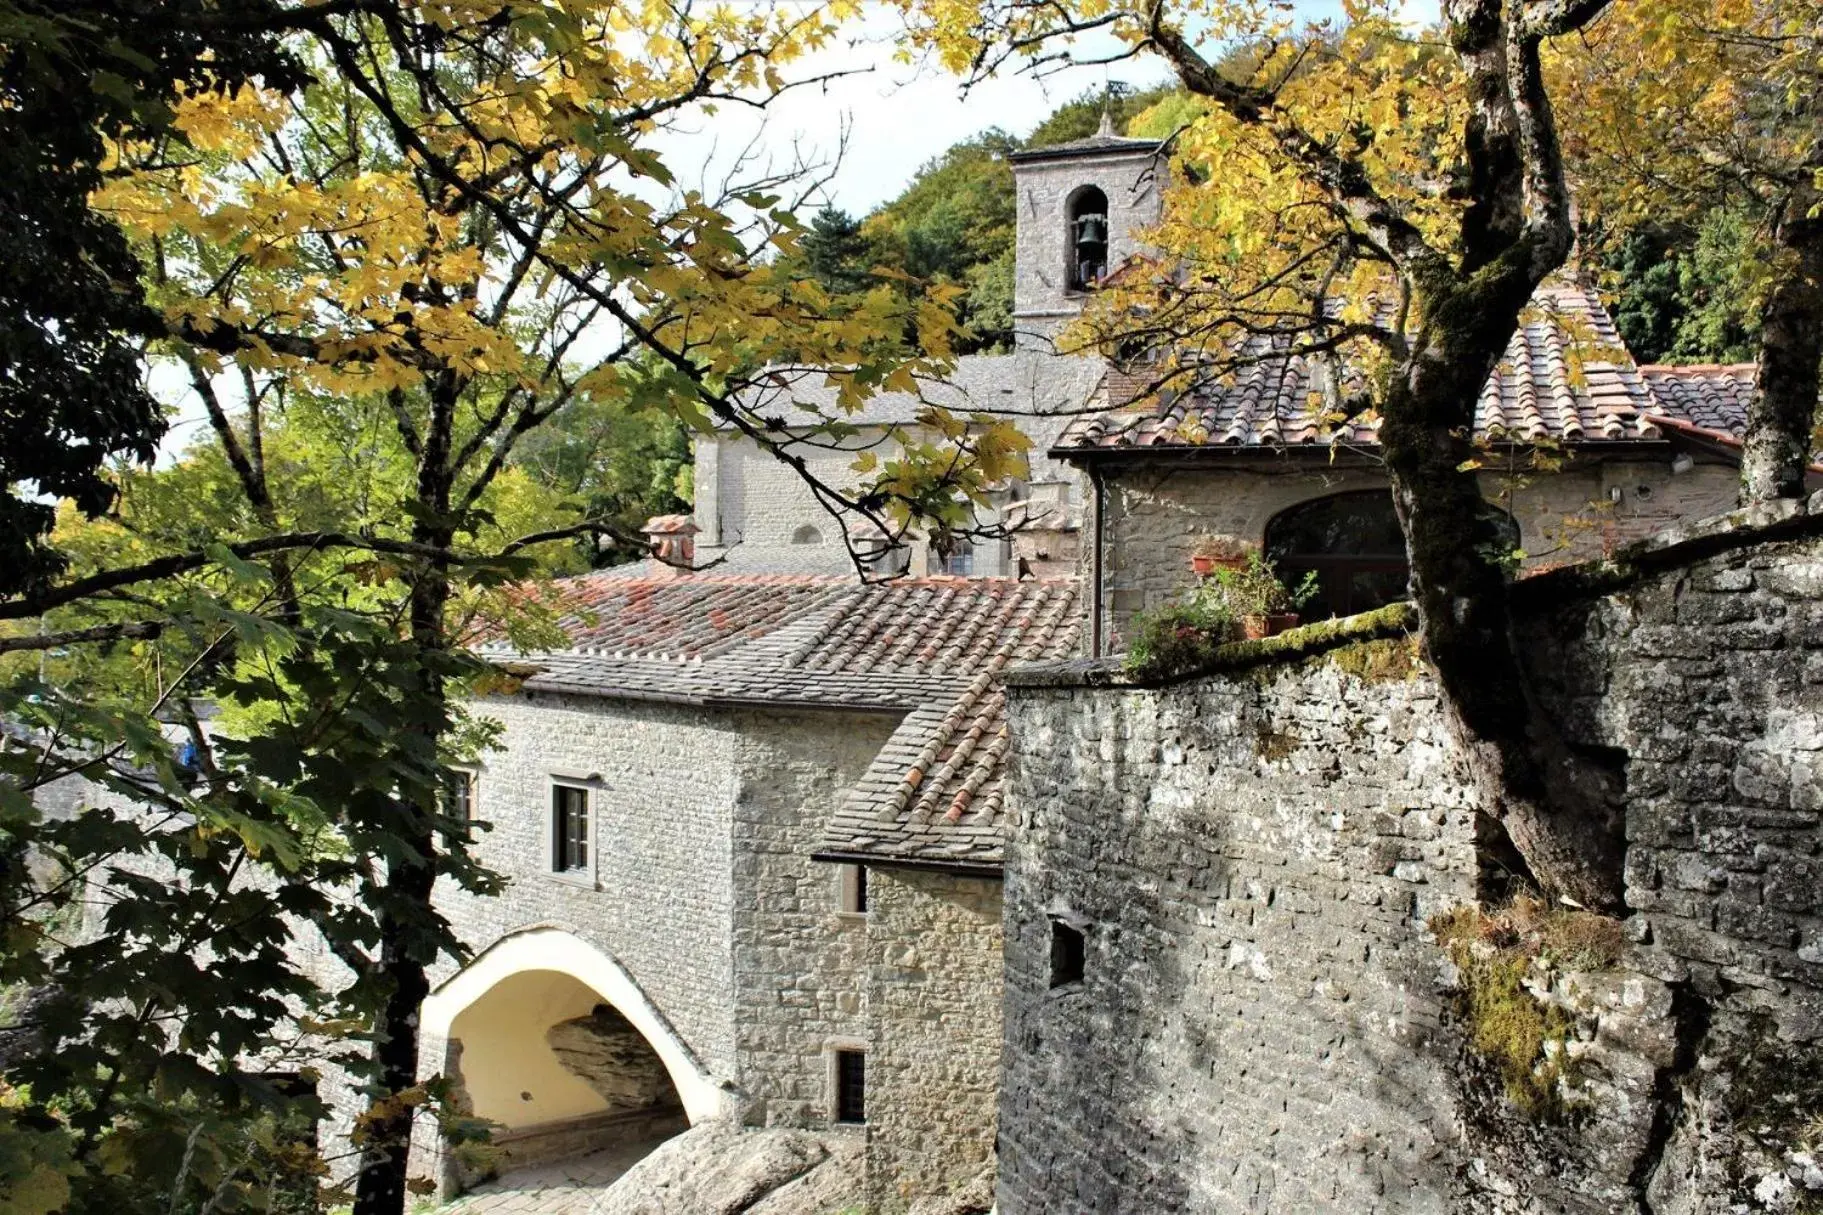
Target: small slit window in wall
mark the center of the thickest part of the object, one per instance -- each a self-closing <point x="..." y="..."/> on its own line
<point x="569" y="829"/>
<point x="851" y="1086"/>
<point x="1067" y="953"/>
<point x="854" y="889"/>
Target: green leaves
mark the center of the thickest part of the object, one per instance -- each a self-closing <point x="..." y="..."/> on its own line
<point x="36" y="1166"/>
<point x="201" y="882"/>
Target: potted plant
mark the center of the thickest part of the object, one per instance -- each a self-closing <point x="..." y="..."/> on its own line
<point x="1263" y="604"/>
<point x="1178" y="635"/>
<point x="1213" y="552"/>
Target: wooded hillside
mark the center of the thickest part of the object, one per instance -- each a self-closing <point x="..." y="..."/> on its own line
<point x="1679" y="287"/>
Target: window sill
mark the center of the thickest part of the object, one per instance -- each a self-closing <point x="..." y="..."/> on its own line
<point x="581" y="879"/>
<point x="851" y="917"/>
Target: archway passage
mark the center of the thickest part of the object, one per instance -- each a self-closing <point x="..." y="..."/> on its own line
<point x="561" y="1071"/>
<point x="1353" y="544"/>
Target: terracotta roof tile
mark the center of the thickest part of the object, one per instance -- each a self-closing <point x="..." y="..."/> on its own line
<point x="1714" y="396"/>
<point x="690" y="617"/>
<point x="1540" y="392"/>
<point x="932" y="648"/>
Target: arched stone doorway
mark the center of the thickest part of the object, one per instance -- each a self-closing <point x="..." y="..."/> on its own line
<point x="550" y="1038"/>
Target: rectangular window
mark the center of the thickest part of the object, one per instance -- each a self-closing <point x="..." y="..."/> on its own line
<point x="960" y="563"/>
<point x="459" y="795"/>
<point x="569" y="828"/>
<point x="851" y="1086"/>
<point x="854" y="889"/>
<point x="1067" y="954"/>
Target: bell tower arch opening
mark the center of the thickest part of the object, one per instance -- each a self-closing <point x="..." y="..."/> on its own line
<point x="1087" y="237"/>
<point x="1083" y="210"/>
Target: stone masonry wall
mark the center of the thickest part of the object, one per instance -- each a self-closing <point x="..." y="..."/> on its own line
<point x="1154" y="516"/>
<point x="799" y="963"/>
<point x="660" y="899"/>
<point x="757" y="503"/>
<point x="759" y="507"/>
<point x="933" y="1064"/>
<point x="1264" y="1022"/>
<point x="1250" y="869"/>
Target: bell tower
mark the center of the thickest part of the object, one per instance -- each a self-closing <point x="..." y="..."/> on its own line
<point x="1081" y="206"/>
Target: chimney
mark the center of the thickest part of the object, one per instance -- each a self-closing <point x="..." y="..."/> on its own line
<point x="671" y="539"/>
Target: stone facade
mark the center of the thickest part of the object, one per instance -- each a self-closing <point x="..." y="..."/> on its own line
<point x="934" y="950"/>
<point x="659" y="895"/>
<point x="700" y="883"/>
<point x="757" y="513"/>
<point x="1154" y="513"/>
<point x="800" y="964"/>
<point x="1263" y="1021"/>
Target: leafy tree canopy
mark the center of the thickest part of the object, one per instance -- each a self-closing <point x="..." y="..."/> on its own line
<point x="74" y="73"/>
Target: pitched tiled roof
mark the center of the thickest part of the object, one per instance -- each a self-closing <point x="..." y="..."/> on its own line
<point x="936" y="793"/>
<point x="931" y="648"/>
<point x="1714" y="396"/>
<point x="1540" y="391"/>
<point x="685" y="617"/>
<point x="937" y="790"/>
<point x="979" y="383"/>
<point x="941" y="625"/>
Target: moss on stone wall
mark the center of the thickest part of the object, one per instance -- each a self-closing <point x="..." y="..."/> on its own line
<point x="1380" y="659"/>
<point x="1393" y="623"/>
<point x="1525" y="1038"/>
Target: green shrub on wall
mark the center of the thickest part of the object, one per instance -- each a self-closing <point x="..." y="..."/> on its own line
<point x="1180" y="636"/>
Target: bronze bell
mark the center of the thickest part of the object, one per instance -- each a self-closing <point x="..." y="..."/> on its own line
<point x="1092" y="230"/>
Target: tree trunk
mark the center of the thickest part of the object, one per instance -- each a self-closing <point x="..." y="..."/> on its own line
<point x="1776" y="448"/>
<point x="1555" y="806"/>
<point x="405" y="958"/>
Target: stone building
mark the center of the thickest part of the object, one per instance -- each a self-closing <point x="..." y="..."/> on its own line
<point x="751" y="827"/>
<point x="1579" y="454"/>
<point x="1224" y="991"/>
<point x="756" y="514"/>
<point x="753" y="815"/>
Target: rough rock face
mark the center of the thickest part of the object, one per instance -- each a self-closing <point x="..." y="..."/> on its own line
<point x="721" y="1168"/>
<point x="1223" y="993"/>
<point x="611" y="1057"/>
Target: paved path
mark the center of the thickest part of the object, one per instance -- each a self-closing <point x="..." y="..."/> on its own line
<point x="570" y="1187"/>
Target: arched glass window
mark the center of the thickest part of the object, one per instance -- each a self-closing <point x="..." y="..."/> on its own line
<point x="1088" y="237"/>
<point x="1354" y="544"/>
<point x="807" y="535"/>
